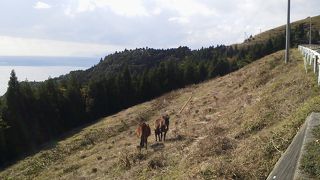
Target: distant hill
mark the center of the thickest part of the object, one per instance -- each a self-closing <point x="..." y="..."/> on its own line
<point x="298" y="38"/>
<point x="142" y="58"/>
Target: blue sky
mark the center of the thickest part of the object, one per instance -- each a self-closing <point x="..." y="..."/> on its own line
<point x="97" y="27"/>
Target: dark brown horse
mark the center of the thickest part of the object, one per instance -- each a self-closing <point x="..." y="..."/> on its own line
<point x="143" y="131"/>
<point x="161" y="127"/>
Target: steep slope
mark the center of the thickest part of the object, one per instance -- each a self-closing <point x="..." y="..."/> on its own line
<point x="234" y="127"/>
<point x="36" y="113"/>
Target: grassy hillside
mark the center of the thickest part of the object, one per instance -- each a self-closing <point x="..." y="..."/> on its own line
<point x="264" y="36"/>
<point x="36" y="113"/>
<point x="235" y="126"/>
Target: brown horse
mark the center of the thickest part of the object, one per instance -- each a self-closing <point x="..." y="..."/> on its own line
<point x="161" y="127"/>
<point x="143" y="131"/>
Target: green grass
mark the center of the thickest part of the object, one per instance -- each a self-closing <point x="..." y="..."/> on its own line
<point x="311" y="160"/>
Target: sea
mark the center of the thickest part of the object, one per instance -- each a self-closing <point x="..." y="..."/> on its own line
<point x="40" y="68"/>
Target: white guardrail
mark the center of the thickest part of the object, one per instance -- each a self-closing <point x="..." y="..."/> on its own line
<point x="311" y="56"/>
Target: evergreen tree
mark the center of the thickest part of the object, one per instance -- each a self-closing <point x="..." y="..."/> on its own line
<point x="222" y="67"/>
<point x="18" y="130"/>
<point x="126" y="89"/>
<point x="202" y="71"/>
<point x="269" y="46"/>
<point x="75" y="108"/>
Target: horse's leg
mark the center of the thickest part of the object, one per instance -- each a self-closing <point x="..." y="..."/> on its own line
<point x="141" y="141"/>
<point x="164" y="135"/>
<point x="146" y="142"/>
<point x="160" y="136"/>
<point x="155" y="134"/>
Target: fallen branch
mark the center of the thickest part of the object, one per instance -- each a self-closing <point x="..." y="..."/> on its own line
<point x="275" y="146"/>
<point x="185" y="105"/>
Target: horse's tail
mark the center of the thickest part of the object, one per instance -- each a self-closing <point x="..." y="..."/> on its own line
<point x="138" y="131"/>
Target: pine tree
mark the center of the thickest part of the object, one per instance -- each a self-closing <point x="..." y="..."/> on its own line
<point x="202" y="71"/>
<point x="126" y="88"/>
<point x="18" y="128"/>
<point x="75" y="109"/>
<point x="189" y="73"/>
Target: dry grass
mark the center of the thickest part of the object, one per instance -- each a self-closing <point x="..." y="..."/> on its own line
<point x="233" y="128"/>
<point x="264" y="36"/>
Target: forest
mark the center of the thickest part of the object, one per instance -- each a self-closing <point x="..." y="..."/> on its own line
<point x="32" y="114"/>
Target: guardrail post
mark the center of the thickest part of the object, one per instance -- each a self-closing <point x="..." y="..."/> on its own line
<point x="310" y="58"/>
<point x="315" y="64"/>
<point x="317" y="58"/>
<point x="318" y="76"/>
<point x="305" y="64"/>
<point x="305" y="56"/>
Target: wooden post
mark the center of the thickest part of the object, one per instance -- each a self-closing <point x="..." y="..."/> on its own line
<point x="185" y="105"/>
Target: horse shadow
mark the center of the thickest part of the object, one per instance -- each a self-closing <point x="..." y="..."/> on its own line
<point x="176" y="138"/>
<point x="157" y="146"/>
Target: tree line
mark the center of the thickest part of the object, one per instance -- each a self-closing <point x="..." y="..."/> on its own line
<point x="34" y="113"/>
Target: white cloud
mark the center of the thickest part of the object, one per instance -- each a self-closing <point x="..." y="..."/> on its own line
<point x="16" y="46"/>
<point x="133" y="8"/>
<point x="157" y="11"/>
<point x="186" y="8"/>
<point x="140" y="23"/>
<point x="181" y="20"/>
<point x="41" y="5"/>
<point x="130" y="8"/>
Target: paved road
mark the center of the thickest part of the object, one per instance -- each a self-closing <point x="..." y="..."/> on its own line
<point x="313" y="46"/>
<point x="309" y="137"/>
<point x="287" y="166"/>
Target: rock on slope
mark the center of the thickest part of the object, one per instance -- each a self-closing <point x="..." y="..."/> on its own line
<point x="234" y="127"/>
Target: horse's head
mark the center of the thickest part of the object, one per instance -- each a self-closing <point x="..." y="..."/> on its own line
<point x="166" y="118"/>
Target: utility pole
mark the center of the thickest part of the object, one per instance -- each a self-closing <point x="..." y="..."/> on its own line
<point x="310" y="32"/>
<point x="288" y="35"/>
